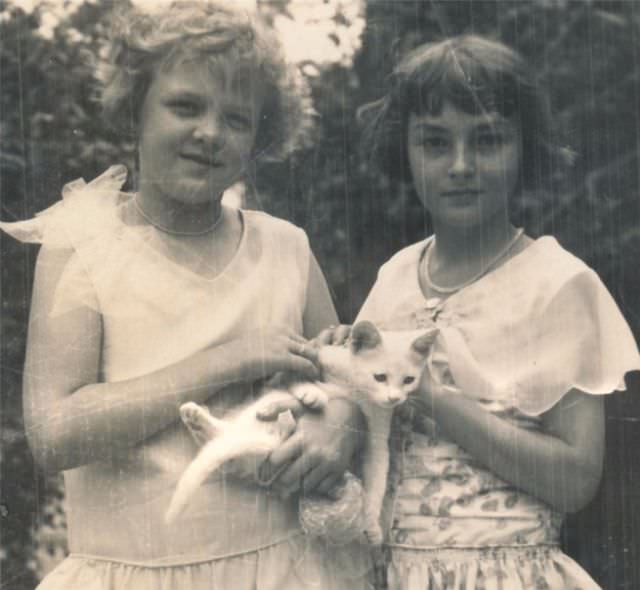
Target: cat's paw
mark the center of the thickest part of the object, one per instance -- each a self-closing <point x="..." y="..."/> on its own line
<point x="310" y="396"/>
<point x="372" y="530"/>
<point x="374" y="536"/>
<point x="199" y="422"/>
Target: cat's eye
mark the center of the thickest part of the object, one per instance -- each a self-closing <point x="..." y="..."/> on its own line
<point x="408" y="380"/>
<point x="380" y="377"/>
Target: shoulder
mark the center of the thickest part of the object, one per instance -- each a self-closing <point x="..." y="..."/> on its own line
<point x="406" y="259"/>
<point x="395" y="286"/>
<point x="551" y="285"/>
<point x="556" y="257"/>
<point x="551" y="267"/>
<point x="275" y="228"/>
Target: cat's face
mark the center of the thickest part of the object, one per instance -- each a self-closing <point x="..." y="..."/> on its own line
<point x="388" y="365"/>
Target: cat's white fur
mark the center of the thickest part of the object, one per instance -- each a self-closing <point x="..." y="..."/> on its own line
<point x="241" y="437"/>
<point x="379" y="370"/>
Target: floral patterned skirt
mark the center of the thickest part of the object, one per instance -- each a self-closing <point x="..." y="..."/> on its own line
<point x="496" y="568"/>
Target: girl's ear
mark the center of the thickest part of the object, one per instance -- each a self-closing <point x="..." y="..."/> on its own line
<point x="364" y="336"/>
<point x="422" y="344"/>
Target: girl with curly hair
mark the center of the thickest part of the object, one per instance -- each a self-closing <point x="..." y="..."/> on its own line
<point x="146" y="300"/>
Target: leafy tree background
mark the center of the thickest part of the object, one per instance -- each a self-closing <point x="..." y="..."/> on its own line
<point x="587" y="52"/>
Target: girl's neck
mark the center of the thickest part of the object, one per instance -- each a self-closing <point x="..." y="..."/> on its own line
<point x="459" y="257"/>
<point x="178" y="218"/>
<point x="472" y="245"/>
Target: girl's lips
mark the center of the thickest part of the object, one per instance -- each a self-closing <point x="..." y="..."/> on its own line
<point x="461" y="198"/>
<point x="461" y="193"/>
<point x="202" y="160"/>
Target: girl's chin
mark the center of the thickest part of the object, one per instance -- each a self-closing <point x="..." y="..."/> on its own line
<point x="469" y="218"/>
<point x="460" y="220"/>
<point x="194" y="193"/>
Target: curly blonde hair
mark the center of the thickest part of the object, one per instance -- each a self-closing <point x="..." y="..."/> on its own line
<point x="230" y="39"/>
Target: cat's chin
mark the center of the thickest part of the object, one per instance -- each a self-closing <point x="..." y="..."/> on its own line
<point x="388" y="405"/>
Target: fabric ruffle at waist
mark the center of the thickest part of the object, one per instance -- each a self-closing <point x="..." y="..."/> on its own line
<point x="516" y="567"/>
<point x="297" y="563"/>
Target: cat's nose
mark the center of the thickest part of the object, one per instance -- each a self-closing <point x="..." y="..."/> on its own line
<point x="393" y="399"/>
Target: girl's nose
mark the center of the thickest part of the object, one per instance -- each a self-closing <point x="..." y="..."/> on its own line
<point x="210" y="130"/>
<point x="463" y="165"/>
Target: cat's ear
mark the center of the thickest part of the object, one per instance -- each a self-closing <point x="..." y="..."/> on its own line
<point x="364" y="336"/>
<point x="422" y="344"/>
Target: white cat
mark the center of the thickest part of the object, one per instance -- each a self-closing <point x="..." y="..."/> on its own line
<point x="379" y="370"/>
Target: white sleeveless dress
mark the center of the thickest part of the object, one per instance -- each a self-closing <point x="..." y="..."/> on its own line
<point x="155" y="313"/>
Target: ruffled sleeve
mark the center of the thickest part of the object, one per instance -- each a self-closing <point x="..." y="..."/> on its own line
<point x="560" y="334"/>
<point x="581" y="341"/>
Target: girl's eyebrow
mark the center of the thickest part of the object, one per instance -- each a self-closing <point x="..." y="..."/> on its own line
<point x="239" y="107"/>
<point x="480" y="127"/>
<point x="428" y="127"/>
<point x="492" y="125"/>
<point x="183" y="93"/>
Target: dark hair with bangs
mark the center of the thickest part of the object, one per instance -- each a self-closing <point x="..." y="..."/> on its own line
<point x="475" y="75"/>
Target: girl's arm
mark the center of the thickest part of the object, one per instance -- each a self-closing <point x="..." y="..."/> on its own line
<point x="72" y="419"/>
<point x="561" y="465"/>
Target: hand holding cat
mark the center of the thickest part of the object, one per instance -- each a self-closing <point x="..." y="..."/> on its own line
<point x="317" y="455"/>
<point x="263" y="352"/>
<point x="333" y="336"/>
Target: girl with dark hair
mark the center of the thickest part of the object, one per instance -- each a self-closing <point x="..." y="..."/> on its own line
<point x="507" y="431"/>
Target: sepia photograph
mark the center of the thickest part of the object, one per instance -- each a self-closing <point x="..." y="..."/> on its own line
<point x="319" y="294"/>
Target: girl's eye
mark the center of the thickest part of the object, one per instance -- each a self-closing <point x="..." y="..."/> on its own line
<point x="238" y="122"/>
<point x="184" y="108"/>
<point x="408" y="380"/>
<point x="435" y="142"/>
<point x="489" y="140"/>
<point x="380" y="377"/>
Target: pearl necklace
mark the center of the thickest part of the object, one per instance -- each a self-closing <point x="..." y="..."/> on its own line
<point x="426" y="275"/>
<point x="173" y="232"/>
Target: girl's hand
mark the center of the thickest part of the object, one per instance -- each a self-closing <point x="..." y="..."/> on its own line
<point x="316" y="456"/>
<point x="261" y="353"/>
<point x="333" y="336"/>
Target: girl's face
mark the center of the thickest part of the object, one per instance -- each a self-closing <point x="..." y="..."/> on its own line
<point x="465" y="167"/>
<point x="196" y="133"/>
